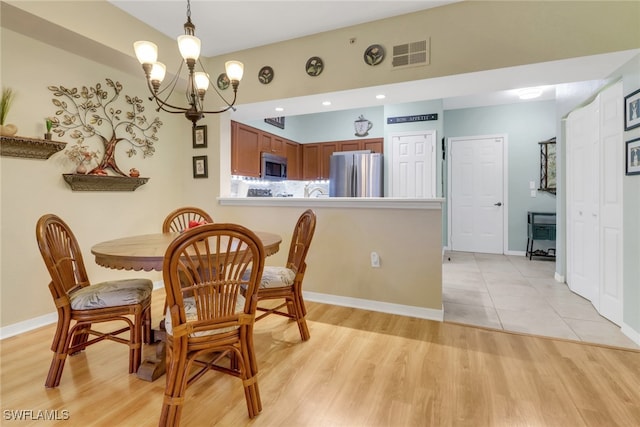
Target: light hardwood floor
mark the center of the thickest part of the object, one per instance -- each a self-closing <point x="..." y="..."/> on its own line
<point x="360" y="368"/>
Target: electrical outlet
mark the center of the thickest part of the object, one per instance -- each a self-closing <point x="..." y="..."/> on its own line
<point x="534" y="193"/>
<point x="375" y="260"/>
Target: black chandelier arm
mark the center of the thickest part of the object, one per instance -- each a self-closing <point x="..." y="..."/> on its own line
<point x="230" y="106"/>
<point x="161" y="103"/>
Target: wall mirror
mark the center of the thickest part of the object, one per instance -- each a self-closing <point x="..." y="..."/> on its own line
<point x="548" y="166"/>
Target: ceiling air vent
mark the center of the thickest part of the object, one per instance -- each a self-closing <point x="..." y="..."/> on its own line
<point x="416" y="53"/>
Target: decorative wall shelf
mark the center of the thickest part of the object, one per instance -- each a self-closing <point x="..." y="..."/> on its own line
<point x="79" y="182"/>
<point x="32" y="148"/>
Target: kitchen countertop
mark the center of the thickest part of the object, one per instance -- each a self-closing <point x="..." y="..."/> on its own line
<point x="335" y="202"/>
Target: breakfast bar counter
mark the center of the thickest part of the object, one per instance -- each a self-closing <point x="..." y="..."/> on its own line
<point x="334" y="202"/>
<point x="382" y="253"/>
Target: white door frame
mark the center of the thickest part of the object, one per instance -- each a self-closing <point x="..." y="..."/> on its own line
<point x="505" y="186"/>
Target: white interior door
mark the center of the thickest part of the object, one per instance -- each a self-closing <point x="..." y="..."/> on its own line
<point x="476" y="194"/>
<point x="413" y="164"/>
<point x="594" y="202"/>
<point x="582" y="196"/>
<point x="612" y="171"/>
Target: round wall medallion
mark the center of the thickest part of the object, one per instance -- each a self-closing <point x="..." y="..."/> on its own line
<point x="314" y="66"/>
<point x="374" y="55"/>
<point x="265" y="75"/>
<point x="223" y="81"/>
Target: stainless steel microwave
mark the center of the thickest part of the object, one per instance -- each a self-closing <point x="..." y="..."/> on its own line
<point x="273" y="167"/>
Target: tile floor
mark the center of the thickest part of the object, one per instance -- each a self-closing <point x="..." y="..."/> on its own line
<point x="516" y="294"/>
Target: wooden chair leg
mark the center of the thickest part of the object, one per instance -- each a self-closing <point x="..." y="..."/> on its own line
<point x="301" y="313"/>
<point x="135" y="342"/>
<point x="80" y="337"/>
<point x="250" y="379"/>
<point x="176" y="384"/>
<point x="60" y="349"/>
<point x="146" y="326"/>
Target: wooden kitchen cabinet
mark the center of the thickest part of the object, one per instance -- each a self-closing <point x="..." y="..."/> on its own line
<point x="316" y="159"/>
<point x="310" y="161"/>
<point x="326" y="150"/>
<point x="245" y="150"/>
<point x="373" y="144"/>
<point x="376" y="145"/>
<point x="304" y="161"/>
<point x="294" y="163"/>
<point x="272" y="144"/>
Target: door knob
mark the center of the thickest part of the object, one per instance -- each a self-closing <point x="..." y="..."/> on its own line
<point x="497" y="204"/>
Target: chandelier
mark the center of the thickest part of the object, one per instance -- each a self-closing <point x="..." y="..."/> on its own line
<point x="197" y="81"/>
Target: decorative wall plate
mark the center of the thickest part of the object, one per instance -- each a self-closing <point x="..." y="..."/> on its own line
<point x="314" y="66"/>
<point x="265" y="75"/>
<point x="374" y="55"/>
<point x="223" y="81"/>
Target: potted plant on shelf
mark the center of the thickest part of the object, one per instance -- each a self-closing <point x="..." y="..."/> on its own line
<point x="5" y="105"/>
<point x="80" y="154"/>
<point x="49" y="125"/>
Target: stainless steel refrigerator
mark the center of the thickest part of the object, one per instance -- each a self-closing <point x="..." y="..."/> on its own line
<point x="356" y="174"/>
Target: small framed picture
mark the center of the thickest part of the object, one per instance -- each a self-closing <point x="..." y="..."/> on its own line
<point x="200" y="168"/>
<point x="633" y="157"/>
<point x="632" y="110"/>
<point x="200" y="137"/>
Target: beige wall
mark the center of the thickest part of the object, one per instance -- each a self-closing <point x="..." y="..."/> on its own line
<point x="66" y="44"/>
<point x="407" y="240"/>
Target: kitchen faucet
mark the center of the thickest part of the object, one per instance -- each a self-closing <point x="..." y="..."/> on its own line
<point x="308" y="190"/>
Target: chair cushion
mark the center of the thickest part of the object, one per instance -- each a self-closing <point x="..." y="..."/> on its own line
<point x="277" y="277"/>
<point x="191" y="313"/>
<point x="111" y="294"/>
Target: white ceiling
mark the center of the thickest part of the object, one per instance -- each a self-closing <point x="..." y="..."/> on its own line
<point x="263" y="22"/>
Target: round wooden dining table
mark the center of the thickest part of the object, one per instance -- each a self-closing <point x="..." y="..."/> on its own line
<point x="146" y="251"/>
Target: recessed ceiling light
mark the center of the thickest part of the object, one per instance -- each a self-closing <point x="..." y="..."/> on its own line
<point x="279" y="109"/>
<point x="529" y="92"/>
<point x="326" y="103"/>
<point x="380" y="96"/>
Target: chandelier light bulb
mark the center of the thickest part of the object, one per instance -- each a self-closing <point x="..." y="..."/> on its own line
<point x="158" y="70"/>
<point x="201" y="80"/>
<point x="189" y="47"/>
<point x="146" y="52"/>
<point x="234" y="70"/>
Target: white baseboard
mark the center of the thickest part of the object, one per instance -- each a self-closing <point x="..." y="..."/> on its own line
<point x="558" y="277"/>
<point x="631" y="333"/>
<point x="384" y="307"/>
<point x="515" y="253"/>
<point x="28" y="325"/>
<point x="47" y="319"/>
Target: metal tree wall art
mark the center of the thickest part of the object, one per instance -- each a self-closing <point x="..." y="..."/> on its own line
<point x="94" y="112"/>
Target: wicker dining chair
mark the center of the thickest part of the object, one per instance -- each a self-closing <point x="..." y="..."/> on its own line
<point x="182" y="218"/>
<point x="285" y="283"/>
<point x="81" y="304"/>
<point x="209" y="322"/>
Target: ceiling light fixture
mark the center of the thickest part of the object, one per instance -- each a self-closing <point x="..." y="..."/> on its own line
<point x="326" y="103"/>
<point x="529" y="92"/>
<point x="197" y="81"/>
<point x="380" y="96"/>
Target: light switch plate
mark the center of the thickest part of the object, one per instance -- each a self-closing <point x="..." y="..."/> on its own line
<point x="532" y="185"/>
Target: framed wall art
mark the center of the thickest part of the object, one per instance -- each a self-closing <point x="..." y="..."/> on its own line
<point x="632" y="110"/>
<point x="633" y="157"/>
<point x="200" y="168"/>
<point x="275" y="121"/>
<point x="200" y="137"/>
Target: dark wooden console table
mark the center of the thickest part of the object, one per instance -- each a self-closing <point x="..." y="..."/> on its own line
<point x="541" y="226"/>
